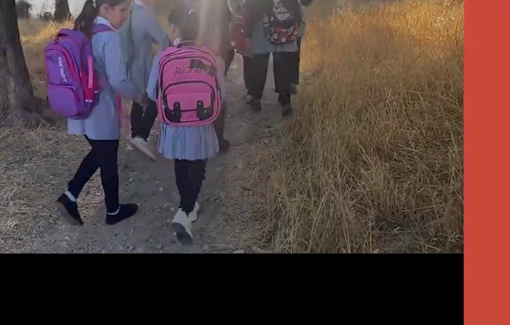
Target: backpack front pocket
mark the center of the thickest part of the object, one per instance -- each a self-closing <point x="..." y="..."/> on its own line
<point x="188" y="102"/>
<point x="64" y="101"/>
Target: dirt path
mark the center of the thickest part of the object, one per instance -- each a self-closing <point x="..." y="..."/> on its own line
<point x="152" y="186"/>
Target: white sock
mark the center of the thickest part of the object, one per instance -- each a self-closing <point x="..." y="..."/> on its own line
<point x="114" y="213"/>
<point x="70" y="196"/>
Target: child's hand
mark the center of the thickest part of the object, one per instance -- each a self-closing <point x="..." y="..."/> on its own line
<point x="144" y="101"/>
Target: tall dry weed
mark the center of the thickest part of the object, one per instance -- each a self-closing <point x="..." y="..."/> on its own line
<point x="372" y="160"/>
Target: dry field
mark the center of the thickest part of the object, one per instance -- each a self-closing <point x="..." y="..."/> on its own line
<point x="373" y="159"/>
<point x="371" y="162"/>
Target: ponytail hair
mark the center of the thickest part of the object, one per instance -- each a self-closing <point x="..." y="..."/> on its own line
<point x="87" y="17"/>
<point x="85" y="20"/>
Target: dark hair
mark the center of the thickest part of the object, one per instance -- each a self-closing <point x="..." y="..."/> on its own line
<point x="185" y="18"/>
<point x="85" y="20"/>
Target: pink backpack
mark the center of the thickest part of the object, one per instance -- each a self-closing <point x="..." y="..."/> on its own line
<point x="188" y="90"/>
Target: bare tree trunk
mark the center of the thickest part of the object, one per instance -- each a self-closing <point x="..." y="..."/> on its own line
<point x="17" y="101"/>
<point x="62" y="12"/>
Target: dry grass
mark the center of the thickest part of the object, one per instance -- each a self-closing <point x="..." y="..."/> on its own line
<point x="373" y="159"/>
<point x="34" y="168"/>
<point x="36" y="164"/>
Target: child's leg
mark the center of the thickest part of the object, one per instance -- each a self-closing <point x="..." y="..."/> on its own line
<point x="87" y="168"/>
<point x="68" y="206"/>
<point x="283" y="71"/>
<point x="148" y="119"/>
<point x="298" y="62"/>
<point x="197" y="178"/>
<point x="229" y="57"/>
<point x="103" y="155"/>
<point x="219" y="128"/>
<point x="247" y="72"/>
<point x="105" y="152"/>
<point x="182" y="180"/>
<point x="136" y="118"/>
<point x="106" y="155"/>
<point x="189" y="176"/>
<point x="142" y="122"/>
<point x="181" y="223"/>
<point x="283" y="76"/>
<point x="258" y="76"/>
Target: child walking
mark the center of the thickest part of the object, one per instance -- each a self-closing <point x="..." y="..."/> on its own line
<point x="101" y="126"/>
<point x="238" y="40"/>
<point x="272" y="27"/>
<point x="213" y="33"/>
<point x="297" y="56"/>
<point x="138" y="35"/>
<point x="187" y="85"/>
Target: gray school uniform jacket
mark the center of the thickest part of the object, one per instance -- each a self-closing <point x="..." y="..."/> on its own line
<point x="138" y="35"/>
<point x="104" y="121"/>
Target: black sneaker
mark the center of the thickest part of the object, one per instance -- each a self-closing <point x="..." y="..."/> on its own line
<point x="68" y="210"/>
<point x="283" y="99"/>
<point x="293" y="89"/>
<point x="255" y="105"/>
<point x="125" y="211"/>
<point x="224" y="145"/>
<point x="286" y="110"/>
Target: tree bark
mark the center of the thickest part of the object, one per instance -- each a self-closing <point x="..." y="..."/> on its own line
<point x="17" y="101"/>
<point x="62" y="12"/>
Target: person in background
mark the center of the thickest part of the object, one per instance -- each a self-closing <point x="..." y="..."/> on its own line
<point x="215" y="14"/>
<point x="214" y="17"/>
<point x="238" y="39"/>
<point x="189" y="146"/>
<point x="228" y="52"/>
<point x="102" y="127"/>
<point x="261" y="35"/>
<point x="138" y="35"/>
<point x="297" y="63"/>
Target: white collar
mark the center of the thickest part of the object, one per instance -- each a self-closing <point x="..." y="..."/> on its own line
<point x="103" y="21"/>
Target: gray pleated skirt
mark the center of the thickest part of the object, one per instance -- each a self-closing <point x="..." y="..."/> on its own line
<point x="188" y="143"/>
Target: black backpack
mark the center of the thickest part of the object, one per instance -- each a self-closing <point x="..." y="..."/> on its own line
<point x="282" y="22"/>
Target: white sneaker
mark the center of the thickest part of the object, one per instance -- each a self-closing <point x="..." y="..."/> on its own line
<point x="181" y="225"/>
<point x="193" y="216"/>
<point x="143" y="146"/>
